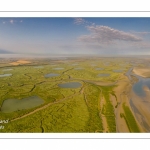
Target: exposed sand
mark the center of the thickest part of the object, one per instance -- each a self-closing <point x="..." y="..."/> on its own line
<point x="146" y="89"/>
<point x="123" y="86"/>
<point x="143" y="72"/>
<point x="105" y="126"/>
<point x="121" y="125"/>
<point x="20" y="62"/>
<point x="121" y="92"/>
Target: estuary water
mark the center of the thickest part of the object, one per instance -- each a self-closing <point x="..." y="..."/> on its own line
<point x="139" y="100"/>
<point x="142" y="86"/>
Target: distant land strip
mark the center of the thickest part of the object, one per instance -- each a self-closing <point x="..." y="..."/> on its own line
<point x="75" y="11"/>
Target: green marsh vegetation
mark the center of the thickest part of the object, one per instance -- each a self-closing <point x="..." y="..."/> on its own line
<point x="92" y="99"/>
<point x="64" y="109"/>
<point x="108" y="109"/>
<point x="130" y="120"/>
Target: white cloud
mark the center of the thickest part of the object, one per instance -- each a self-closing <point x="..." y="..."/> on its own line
<point x="140" y="33"/>
<point x="105" y="35"/>
<point x="79" y="21"/>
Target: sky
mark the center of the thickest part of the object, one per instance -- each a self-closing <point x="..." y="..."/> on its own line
<point x="70" y="36"/>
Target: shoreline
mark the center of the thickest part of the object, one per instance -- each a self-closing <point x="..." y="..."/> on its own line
<point x="142" y="72"/>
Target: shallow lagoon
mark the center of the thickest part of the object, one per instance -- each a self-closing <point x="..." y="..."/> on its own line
<point x="11" y="105"/>
<point x="138" y="87"/>
<point x="58" y="68"/>
<point x="99" y="69"/>
<point x="119" y="70"/>
<point x="7" y="69"/>
<point x="51" y="75"/>
<point x="104" y="75"/>
<point x="70" y="85"/>
<point x="5" y="75"/>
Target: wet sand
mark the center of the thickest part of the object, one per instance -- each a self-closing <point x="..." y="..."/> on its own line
<point x="140" y="107"/>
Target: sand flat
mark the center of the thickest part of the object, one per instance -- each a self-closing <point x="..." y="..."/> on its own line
<point x="143" y="110"/>
<point x="120" y="122"/>
<point x="20" y="62"/>
<point x="121" y="92"/>
<point x="143" y="72"/>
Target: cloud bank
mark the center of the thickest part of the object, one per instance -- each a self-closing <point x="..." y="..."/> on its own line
<point x="107" y="35"/>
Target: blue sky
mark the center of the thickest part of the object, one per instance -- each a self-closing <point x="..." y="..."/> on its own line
<point x="103" y="36"/>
